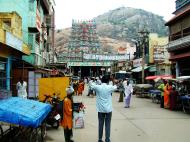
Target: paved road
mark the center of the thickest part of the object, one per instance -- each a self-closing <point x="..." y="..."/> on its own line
<point x="144" y="121"/>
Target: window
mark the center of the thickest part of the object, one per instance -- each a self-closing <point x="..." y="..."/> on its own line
<point x="7" y="22"/>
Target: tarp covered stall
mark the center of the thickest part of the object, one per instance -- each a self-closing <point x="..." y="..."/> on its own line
<point x="23" y="112"/>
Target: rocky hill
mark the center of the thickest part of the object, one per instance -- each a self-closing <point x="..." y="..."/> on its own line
<point x="125" y="23"/>
<point x="117" y="27"/>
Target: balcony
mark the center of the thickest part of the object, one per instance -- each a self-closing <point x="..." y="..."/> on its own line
<point x="33" y="44"/>
<point x="14" y="42"/>
<point x="179" y="43"/>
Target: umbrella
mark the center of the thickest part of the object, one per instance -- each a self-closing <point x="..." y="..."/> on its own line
<point x="151" y="77"/>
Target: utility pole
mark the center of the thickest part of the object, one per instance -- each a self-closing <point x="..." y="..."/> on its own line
<point x="144" y="37"/>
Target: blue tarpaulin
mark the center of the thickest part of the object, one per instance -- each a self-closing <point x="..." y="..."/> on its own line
<point x="23" y="112"/>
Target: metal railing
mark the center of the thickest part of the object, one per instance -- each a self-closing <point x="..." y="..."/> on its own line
<point x="178" y="42"/>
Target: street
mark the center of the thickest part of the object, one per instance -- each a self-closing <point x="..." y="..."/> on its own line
<point x="144" y="121"/>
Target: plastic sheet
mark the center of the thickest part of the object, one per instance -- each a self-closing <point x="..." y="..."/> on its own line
<point x="78" y="120"/>
<point x="23" y="112"/>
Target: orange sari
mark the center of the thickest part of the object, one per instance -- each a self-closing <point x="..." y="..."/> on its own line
<point x="167" y="90"/>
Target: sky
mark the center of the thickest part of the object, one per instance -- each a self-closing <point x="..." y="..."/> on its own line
<point x="66" y="10"/>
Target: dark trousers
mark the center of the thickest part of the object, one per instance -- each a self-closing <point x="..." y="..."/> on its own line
<point x="121" y="95"/>
<point x="68" y="134"/>
<point x="101" y="118"/>
<point x="162" y="102"/>
<point x="173" y="101"/>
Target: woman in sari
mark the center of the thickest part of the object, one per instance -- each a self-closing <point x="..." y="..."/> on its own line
<point x="167" y="90"/>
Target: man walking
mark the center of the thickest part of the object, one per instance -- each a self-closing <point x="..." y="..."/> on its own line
<point x="104" y="106"/>
<point x="128" y="93"/>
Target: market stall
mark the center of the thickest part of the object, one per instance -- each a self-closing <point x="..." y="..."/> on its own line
<point x="142" y="90"/>
<point x="184" y="92"/>
<point x="26" y="119"/>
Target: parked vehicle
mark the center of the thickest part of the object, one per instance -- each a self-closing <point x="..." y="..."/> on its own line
<point x="142" y="90"/>
<point x="121" y="75"/>
<point x="53" y="117"/>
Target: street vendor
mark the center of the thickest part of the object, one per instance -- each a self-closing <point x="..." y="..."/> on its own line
<point x="21" y="87"/>
<point x="67" y="122"/>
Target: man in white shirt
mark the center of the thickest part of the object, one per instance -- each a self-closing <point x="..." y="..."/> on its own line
<point x="128" y="92"/>
<point x="21" y="87"/>
<point x="104" y="106"/>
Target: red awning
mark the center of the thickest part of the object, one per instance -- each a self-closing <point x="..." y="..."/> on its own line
<point x="151" y="77"/>
<point x="159" y="77"/>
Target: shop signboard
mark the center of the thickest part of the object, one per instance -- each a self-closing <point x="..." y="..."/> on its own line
<point x="106" y="57"/>
<point x="13" y="41"/>
<point x="159" y="54"/>
<point x="106" y="64"/>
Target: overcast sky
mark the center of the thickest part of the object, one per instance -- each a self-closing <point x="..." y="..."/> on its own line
<point x="66" y="10"/>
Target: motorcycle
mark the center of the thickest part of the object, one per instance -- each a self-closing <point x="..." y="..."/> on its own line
<point x="53" y="118"/>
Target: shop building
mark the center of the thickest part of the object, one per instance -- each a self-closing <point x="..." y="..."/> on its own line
<point x="12" y="47"/>
<point x="179" y="38"/>
<point x="37" y="35"/>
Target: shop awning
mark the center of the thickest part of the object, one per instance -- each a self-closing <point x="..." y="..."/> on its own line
<point x="158" y="77"/>
<point x="138" y="69"/>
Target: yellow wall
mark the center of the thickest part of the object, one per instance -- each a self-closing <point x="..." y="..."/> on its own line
<point x="16" y="23"/>
<point x="15" y="28"/>
<point x="2" y="36"/>
<point x="155" y="41"/>
<point x="52" y="85"/>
